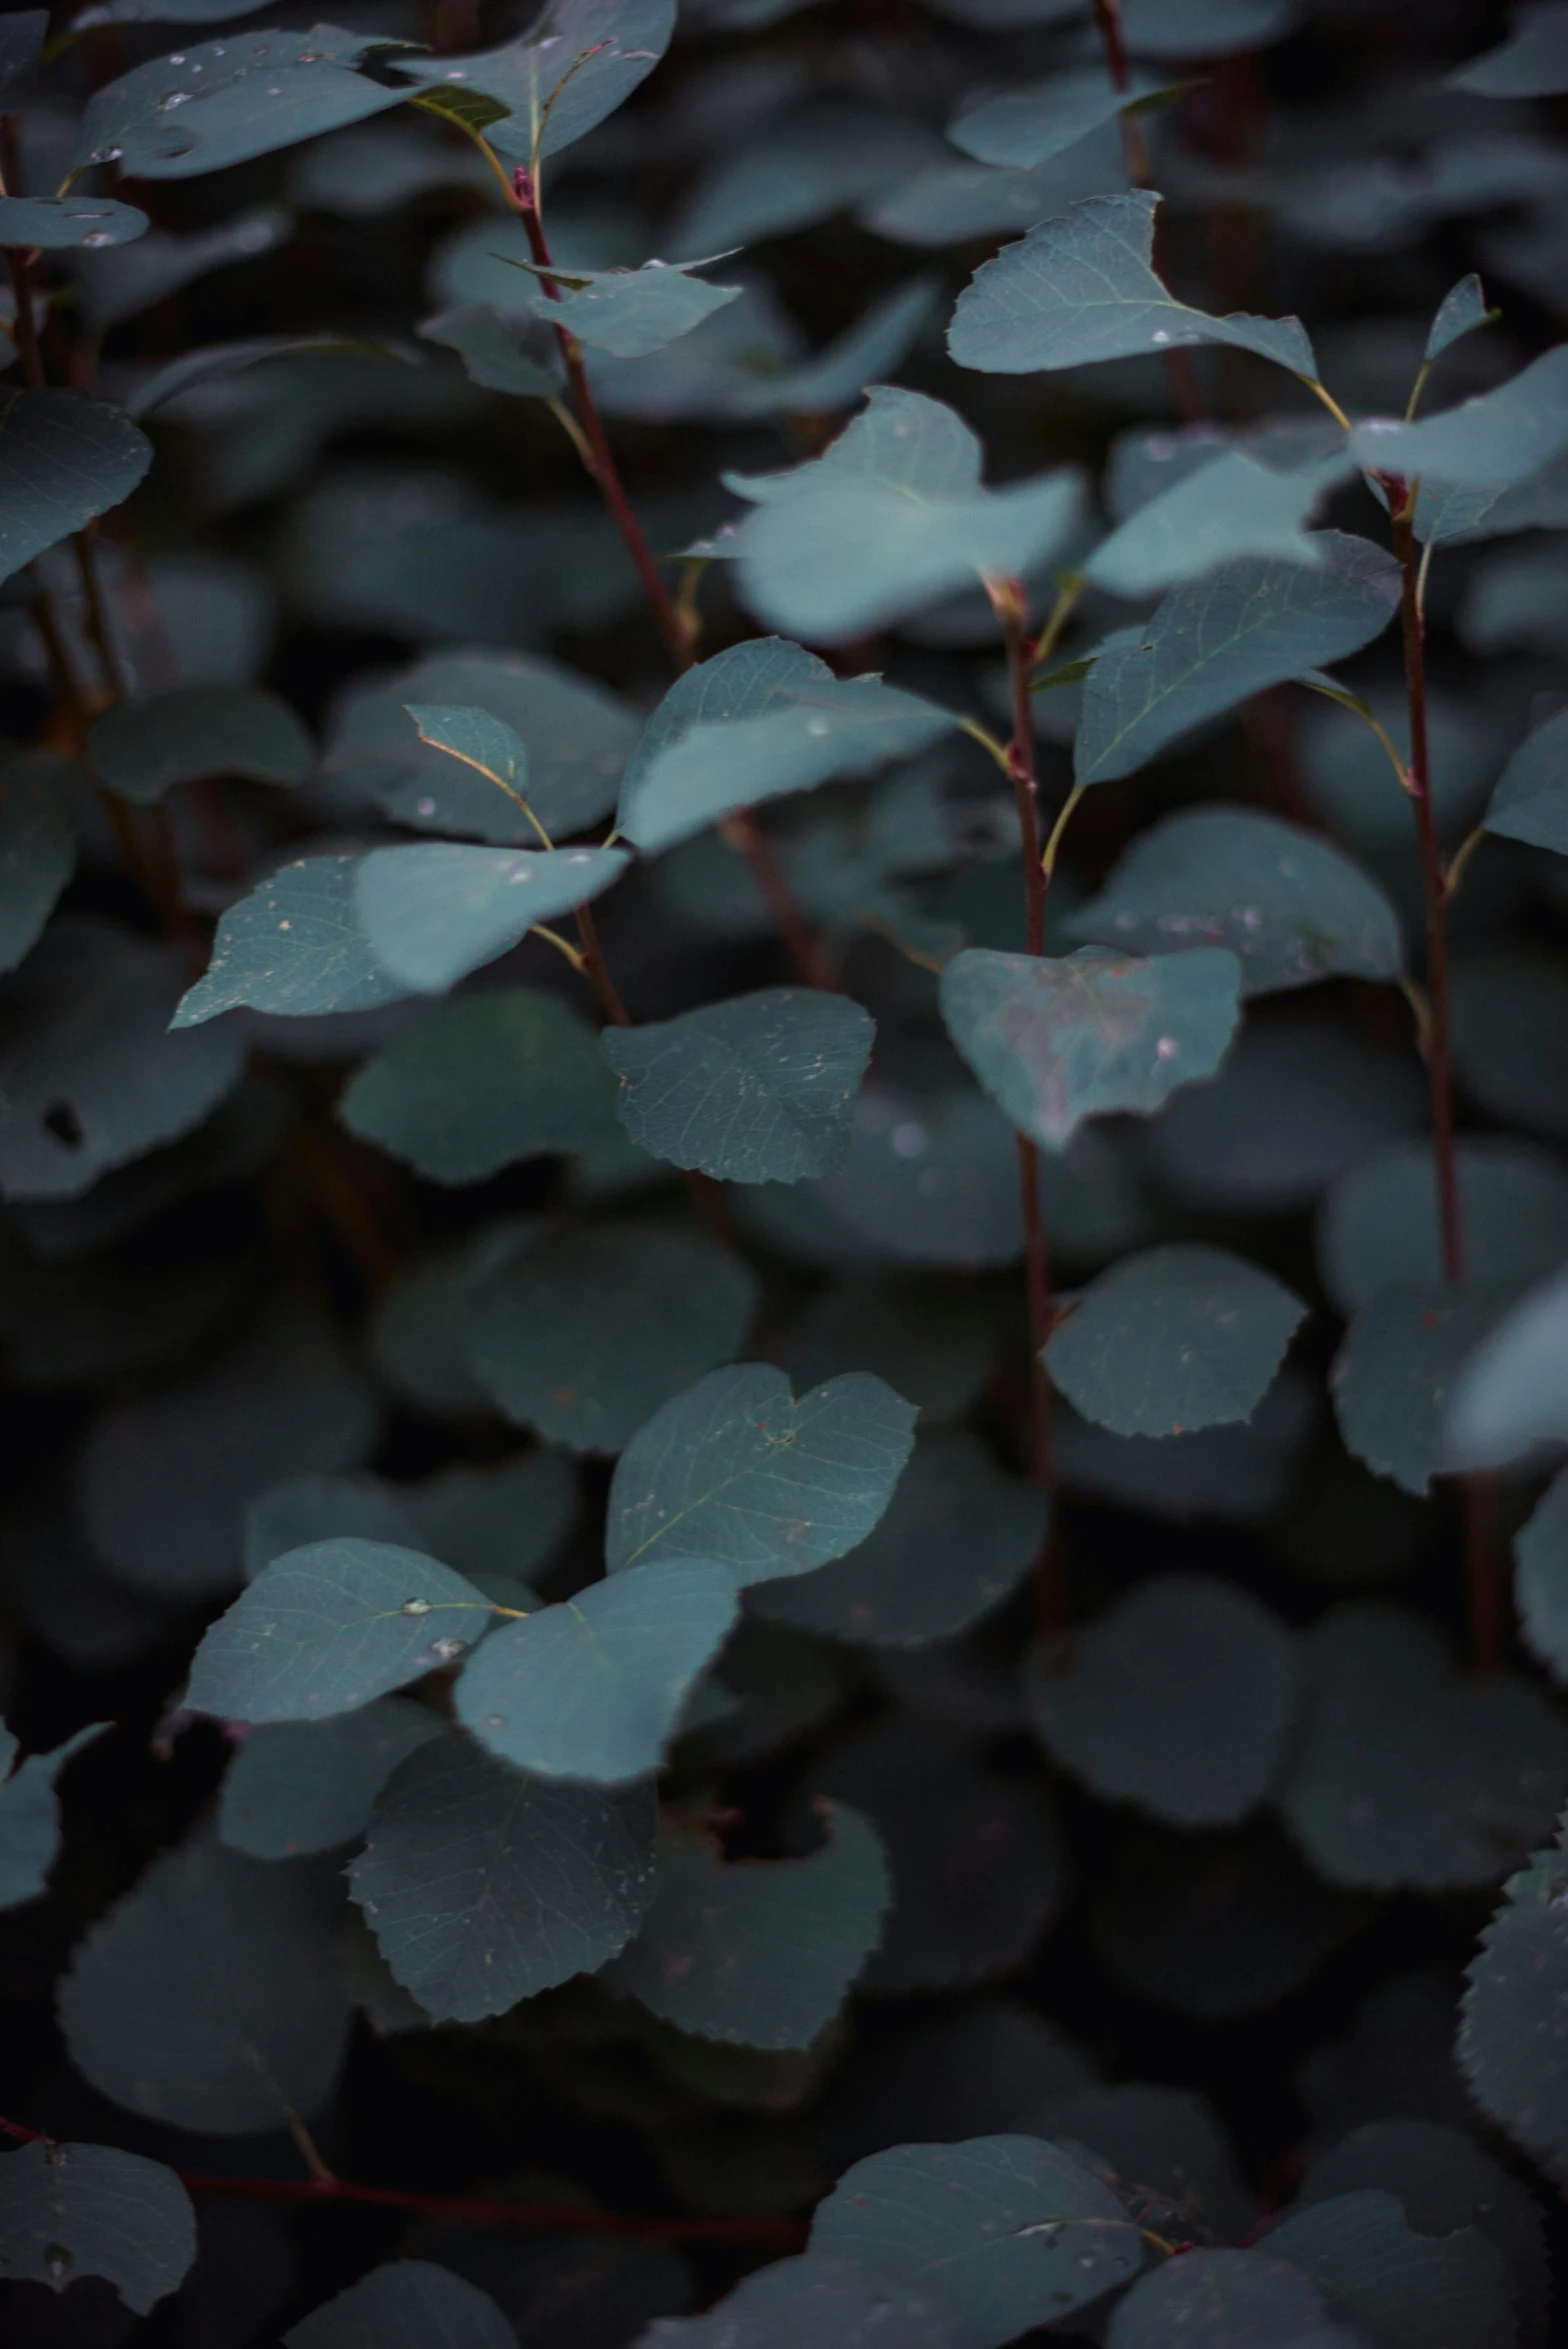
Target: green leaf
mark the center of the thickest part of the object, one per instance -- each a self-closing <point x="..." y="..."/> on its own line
<point x="502" y="350"/>
<point x="1541" y="1579"/>
<point x="89" y="2210"/>
<point x="30" y="1815"/>
<point x="1180" y="1699"/>
<point x="593" y="1689"/>
<point x="1290" y="908"/>
<point x="762" y="1953"/>
<point x="891" y="517"/>
<point x="1224" y="2300"/>
<point x="1530" y="801"/>
<point x="482" y="1081"/>
<point x="759" y="720"/>
<point x="1509" y="1396"/>
<point x="408" y="2304"/>
<point x="1412" y="2291"/>
<point x="938" y="1338"/>
<point x="737" y="1471"/>
<point x="431" y="914"/>
<point x="64" y="459"/>
<point x="485" y="1887"/>
<point x="142" y="749"/>
<point x="1393" y="1377"/>
<point x="1173" y="1339"/>
<point x="1408" y="1776"/>
<point x="89" y="1075"/>
<point x="756" y="1090"/>
<point x="419" y="1334"/>
<point x="1510" y="2036"/>
<point x="207" y="1997"/>
<point x="489" y="745"/>
<point x="317" y="1509"/>
<point x="1531" y="63"/>
<point x="629" y="312"/>
<point x="1057" y="1041"/>
<point x="1378" y="1226"/>
<point x="1083" y="287"/>
<point x="1025" y="128"/>
<point x="1491" y="442"/>
<point x="305" y="1786"/>
<point x="294" y="948"/>
<point x="1461" y="310"/>
<point x="998" y="2234"/>
<point x="1509" y="1005"/>
<point x="57" y="223"/>
<point x="1232" y="507"/>
<point x="326" y="1628"/>
<point x="875" y="346"/>
<point x="37" y="848"/>
<point x="504" y="1520"/>
<point x="958" y="1536"/>
<point x="1214" y="643"/>
<point x="237" y="98"/>
<point x="572" y="68"/>
<point x="586" y="1335"/>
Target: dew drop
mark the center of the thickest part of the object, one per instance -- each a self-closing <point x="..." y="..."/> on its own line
<point x="519" y="874"/>
<point x="447" y="1649"/>
<point x="495" y="1720"/>
<point x="1159" y="335"/>
<point x="818" y="727"/>
<point x="175" y="98"/>
<point x="178" y="58"/>
<point x="910" y="1140"/>
<point x="580" y="856"/>
<point x="425" y="807"/>
<point x="1167" y="1048"/>
<point x="57" y="2262"/>
<point x="415" y="1607"/>
<point x="99" y="236"/>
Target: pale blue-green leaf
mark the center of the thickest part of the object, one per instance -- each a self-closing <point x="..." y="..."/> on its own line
<point x="1408" y="1774"/>
<point x="1083" y="287"/>
<point x="1024" y="128"/>
<point x="1180" y="1699"/>
<point x="305" y="1786"/>
<point x="1461" y="310"/>
<point x="593" y="1689"/>
<point x="30" y="1816"/>
<point x="574" y="66"/>
<point x="64" y="459"/>
<point x="1225" y="2300"/>
<point x="586" y="1335"/>
<point x="89" y="1074"/>
<point x="900" y="440"/>
<point x="37" y="847"/>
<point x="1217" y="641"/>
<point x="1232" y="506"/>
<point x="1055" y="1041"/>
<point x="484" y="1887"/>
<point x="1378" y="1227"/>
<point x="489" y="745"/>
<point x="408" y="2304"/>
<point x="1394" y="1376"/>
<point x="1410" y="2290"/>
<point x="1541" y="1579"/>
<point x="756" y="1090"/>
<point x="1510" y="2044"/>
<point x="482" y="1081"/>
<point x="1531" y="63"/>
<point x="207" y="1998"/>
<point x="293" y="947"/>
<point x="68" y="2211"/>
<point x="224" y="102"/>
<point x="505" y="351"/>
<point x="142" y="749"/>
<point x="761" y="1953"/>
<point x="737" y="1471"/>
<point x="959" y="1535"/>
<point x="1174" y="1339"/>
<point x="1488" y="443"/>
<point x="1512" y="1394"/>
<point x="1000" y="2233"/>
<point x="1530" y="801"/>
<point x="126" y="282"/>
<point x="629" y="312"/>
<point x="55" y="223"/>
<point x="431" y="914"/>
<point x="327" y="1628"/>
<point x="1291" y="908"/>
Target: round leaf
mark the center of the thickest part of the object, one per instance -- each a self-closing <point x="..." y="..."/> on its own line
<point x="68" y="2211"/>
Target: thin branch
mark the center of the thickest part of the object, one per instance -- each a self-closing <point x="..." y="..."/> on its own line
<point x="1180" y="372"/>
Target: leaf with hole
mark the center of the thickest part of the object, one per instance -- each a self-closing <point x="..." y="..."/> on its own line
<point x="296" y="1787"/>
<point x="68" y="2211"/>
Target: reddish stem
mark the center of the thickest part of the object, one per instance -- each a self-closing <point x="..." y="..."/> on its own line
<point x="1180" y="372"/>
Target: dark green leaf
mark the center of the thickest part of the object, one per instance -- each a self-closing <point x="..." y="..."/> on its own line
<point x="1407" y="1775"/>
<point x="408" y="2304"/>
<point x="1291" y="908"/>
<point x="755" y="1090"/>
<point x="1213" y="644"/>
<point x="504" y="1520"/>
<point x="1000" y="2234"/>
<point x="326" y="1628"/>
<point x="813" y="160"/>
<point x="64" y="459"/>
<point x="30" y="1815"/>
<point x="1510" y="1396"/>
<point x="142" y="749"/>
<point x="1488" y="443"/>
<point x="1083" y="287"/>
<point x="1378" y="1227"/>
<point x="485" y="1887"/>
<point x="573" y="67"/>
<point x="37" y="848"/>
<point x="761" y="1952"/>
<point x="1174" y="1339"/>
<point x="126" y="282"/>
<point x="1531" y="63"/>
<point x="22" y="36"/>
<point x="247" y="95"/>
<point x="1462" y="309"/>
<point x="89" y="1075"/>
<point x="1242" y="1471"/>
<point x="207" y="1997"/>
<point x="1411" y="2291"/>
<point x="957" y="1537"/>
<point x="586" y="1335"/>
<point x="1394" y="1375"/>
<point x="483" y="1081"/>
<point x="503" y="350"/>
<point x="593" y="1689"/>
<point x="737" y="1471"/>
<point x="1530" y="801"/>
<point x="419" y="1337"/>
<point x="89" y="2210"/>
<point x="307" y="1786"/>
<point x="1541" y="1579"/>
<point x="937" y="1338"/>
<point x="1180" y="1699"/>
<point x="1510" y="2040"/>
<point x="1024" y="128"/>
<point x="1225" y="2300"/>
<point x="1510" y="1034"/>
<point x="1232" y="507"/>
<point x="320" y="1508"/>
<point x="430" y="915"/>
<point x="1057" y="1041"/>
<point x="55" y="223"/>
<point x="293" y="947"/>
<point x="809" y="2298"/>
